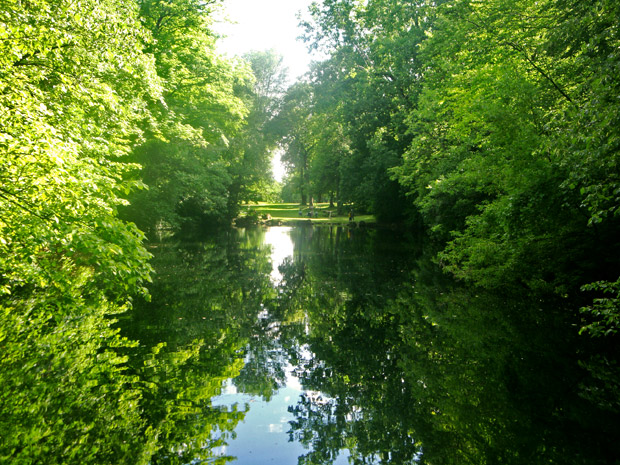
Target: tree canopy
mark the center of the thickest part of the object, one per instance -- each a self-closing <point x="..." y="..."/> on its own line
<point x="491" y="125"/>
<point x="494" y="127"/>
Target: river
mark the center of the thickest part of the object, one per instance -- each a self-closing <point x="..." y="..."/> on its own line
<point x="333" y="345"/>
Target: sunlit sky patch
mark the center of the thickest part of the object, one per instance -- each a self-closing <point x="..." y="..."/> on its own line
<point x="265" y="25"/>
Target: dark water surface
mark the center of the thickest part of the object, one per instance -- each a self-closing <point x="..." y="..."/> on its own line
<point x="330" y="346"/>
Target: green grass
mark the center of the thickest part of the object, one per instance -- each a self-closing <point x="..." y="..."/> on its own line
<point x="289" y="212"/>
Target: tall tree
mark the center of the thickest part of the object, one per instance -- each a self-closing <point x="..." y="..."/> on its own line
<point x="497" y="120"/>
<point x="366" y="84"/>
<point x="81" y="85"/>
<point x="184" y="158"/>
<point x="484" y="165"/>
<point x="73" y="86"/>
<point x="251" y="150"/>
<point x="291" y="125"/>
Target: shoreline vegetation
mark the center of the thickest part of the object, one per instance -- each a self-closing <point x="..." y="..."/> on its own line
<point x="493" y="127"/>
<point x="295" y="214"/>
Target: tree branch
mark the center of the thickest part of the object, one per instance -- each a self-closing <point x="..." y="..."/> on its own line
<point x="6" y="195"/>
<point x="542" y="72"/>
<point x="527" y="57"/>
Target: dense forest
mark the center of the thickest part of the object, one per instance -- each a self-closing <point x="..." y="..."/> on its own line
<point x="492" y="127"/>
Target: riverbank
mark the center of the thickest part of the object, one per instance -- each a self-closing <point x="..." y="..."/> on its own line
<point x="294" y="214"/>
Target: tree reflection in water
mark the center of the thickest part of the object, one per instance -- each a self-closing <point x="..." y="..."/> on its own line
<point x="414" y="368"/>
<point x="203" y="316"/>
<point x="396" y="364"/>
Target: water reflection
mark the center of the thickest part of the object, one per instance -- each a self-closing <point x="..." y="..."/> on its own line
<point x="281" y="248"/>
<point x="359" y="350"/>
<point x="263" y="435"/>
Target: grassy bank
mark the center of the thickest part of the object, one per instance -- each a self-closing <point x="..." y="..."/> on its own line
<point x="290" y="212"/>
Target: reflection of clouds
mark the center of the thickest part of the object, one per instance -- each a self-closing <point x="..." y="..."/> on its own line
<point x="229" y="388"/>
<point x="220" y="450"/>
<point x="281" y="247"/>
<point x="277" y="428"/>
<point x="292" y="381"/>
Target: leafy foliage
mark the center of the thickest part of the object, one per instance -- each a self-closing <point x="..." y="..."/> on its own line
<point x="252" y="148"/>
<point x="86" y="90"/>
<point x="74" y="85"/>
<point x="184" y="155"/>
<point x="498" y="120"/>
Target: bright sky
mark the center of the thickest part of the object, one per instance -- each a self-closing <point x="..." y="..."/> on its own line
<point x="263" y="25"/>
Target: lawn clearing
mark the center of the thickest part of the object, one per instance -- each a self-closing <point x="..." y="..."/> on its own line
<point x="288" y="212"/>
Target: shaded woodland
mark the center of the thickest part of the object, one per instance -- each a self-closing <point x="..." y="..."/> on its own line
<point x="492" y="128"/>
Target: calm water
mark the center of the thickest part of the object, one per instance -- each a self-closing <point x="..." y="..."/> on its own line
<point x="329" y="346"/>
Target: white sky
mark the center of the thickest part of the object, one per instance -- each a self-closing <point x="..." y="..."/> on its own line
<point x="263" y="25"/>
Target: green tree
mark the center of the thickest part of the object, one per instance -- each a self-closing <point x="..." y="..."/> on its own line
<point x="184" y="157"/>
<point x="80" y="88"/>
<point x="491" y="164"/>
<point x="70" y="106"/>
<point x="364" y="89"/>
<point x="73" y="88"/>
<point x="291" y="124"/>
<point x="251" y="150"/>
<point x="330" y="148"/>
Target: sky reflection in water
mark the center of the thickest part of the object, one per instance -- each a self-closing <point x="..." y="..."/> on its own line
<point x="262" y="437"/>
